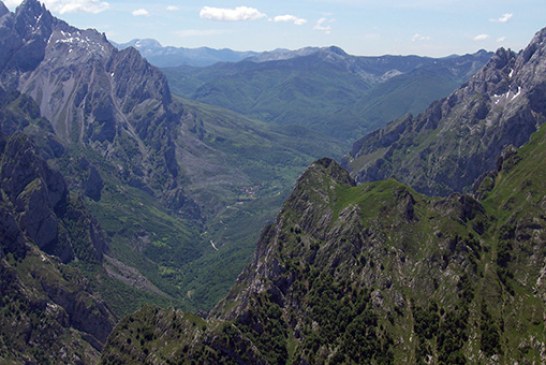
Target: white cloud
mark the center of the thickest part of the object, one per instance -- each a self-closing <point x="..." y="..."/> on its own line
<point x="481" y="37"/>
<point x="172" y="8"/>
<point x="323" y="25"/>
<point x="69" y="6"/>
<point x="420" y="38"/>
<point x="239" y="13"/>
<point x="289" y="19"/>
<point x="501" y="39"/>
<point x="141" y="12"/>
<point x="504" y="18"/>
<point x="189" y="33"/>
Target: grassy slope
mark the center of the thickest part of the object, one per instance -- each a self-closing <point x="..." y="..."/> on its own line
<point x="317" y="97"/>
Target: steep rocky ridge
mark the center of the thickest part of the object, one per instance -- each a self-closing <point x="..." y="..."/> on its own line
<point x="43" y="206"/>
<point x="96" y="97"/>
<point x="456" y="139"/>
<point x="48" y="312"/>
<point x="376" y="273"/>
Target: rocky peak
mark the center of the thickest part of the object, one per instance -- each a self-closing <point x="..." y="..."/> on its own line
<point x="23" y="38"/>
<point x="145" y="43"/>
<point x="30" y="15"/>
<point x="493" y="78"/>
<point x="93" y="94"/>
<point x="31" y="8"/>
<point x="530" y="67"/>
<point x="329" y="168"/>
<point x="335" y="50"/>
<point x="502" y="104"/>
<point x="146" y="82"/>
<point x="502" y="57"/>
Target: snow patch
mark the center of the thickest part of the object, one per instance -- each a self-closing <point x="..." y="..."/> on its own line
<point x="517" y="94"/>
<point x="506" y="97"/>
<point x="76" y="39"/>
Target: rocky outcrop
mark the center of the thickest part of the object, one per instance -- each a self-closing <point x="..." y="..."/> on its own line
<point x="375" y="273"/>
<point x="37" y="193"/>
<point x="49" y="313"/>
<point x="457" y="139"/>
<point x="59" y="225"/>
<point x="112" y="102"/>
<point x="48" y="310"/>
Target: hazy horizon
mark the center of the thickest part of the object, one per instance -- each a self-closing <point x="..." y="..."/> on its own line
<point x="364" y="28"/>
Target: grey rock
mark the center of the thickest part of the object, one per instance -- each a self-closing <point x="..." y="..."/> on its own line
<point x="458" y="139"/>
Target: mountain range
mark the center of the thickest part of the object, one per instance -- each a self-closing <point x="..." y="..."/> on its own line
<point x="326" y="90"/>
<point x="48" y="309"/>
<point x="169" y="56"/>
<point x="207" y="177"/>
<point x="163" y="174"/>
<point x="117" y="195"/>
<point x="375" y="273"/>
<point x="379" y="273"/>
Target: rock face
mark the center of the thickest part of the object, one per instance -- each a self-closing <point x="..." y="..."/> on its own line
<point x="111" y="101"/>
<point x="375" y="273"/>
<point x="457" y="139"/>
<point x="49" y="313"/>
<point x="58" y="224"/>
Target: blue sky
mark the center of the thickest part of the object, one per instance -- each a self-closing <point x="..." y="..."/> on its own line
<point x="361" y="27"/>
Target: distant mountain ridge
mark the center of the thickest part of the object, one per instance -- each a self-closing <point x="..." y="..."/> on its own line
<point x="503" y="104"/>
<point x="168" y="56"/>
<point x="325" y="89"/>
